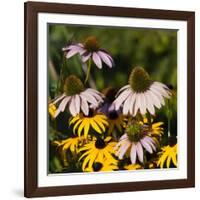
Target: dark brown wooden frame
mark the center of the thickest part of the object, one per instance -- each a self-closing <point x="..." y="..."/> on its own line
<point x="32" y="9"/>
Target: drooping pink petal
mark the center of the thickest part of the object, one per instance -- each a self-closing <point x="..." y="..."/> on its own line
<point x="72" y="52"/>
<point x="64" y="103"/>
<point x="133" y="154"/>
<point x="137" y="103"/>
<point x="149" y="104"/>
<point x="140" y="152"/>
<point x="146" y="145"/>
<point x="155" y="99"/>
<point x="151" y="142"/>
<point x="123" y="149"/>
<point x="89" y="98"/>
<point x="77" y="103"/>
<point x="123" y="137"/>
<point x="85" y="57"/>
<point x="94" y="94"/>
<point x="157" y="94"/>
<point x="59" y="98"/>
<point x="122" y="89"/>
<point x="127" y="103"/>
<point x="72" y="108"/>
<point x="161" y="90"/>
<point x="84" y="106"/>
<point x="121" y="98"/>
<point x="131" y="108"/>
<point x="97" y="60"/>
<point x="142" y="103"/>
<point x="105" y="58"/>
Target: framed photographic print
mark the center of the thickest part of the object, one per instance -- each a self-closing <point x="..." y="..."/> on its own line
<point x="109" y="99"/>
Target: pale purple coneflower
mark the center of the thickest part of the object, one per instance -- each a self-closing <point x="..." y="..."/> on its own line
<point x="90" y="49"/>
<point x="77" y="97"/>
<point x="135" y="139"/>
<point x="141" y="94"/>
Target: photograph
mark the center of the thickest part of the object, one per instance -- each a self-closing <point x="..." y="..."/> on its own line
<point x="112" y="99"/>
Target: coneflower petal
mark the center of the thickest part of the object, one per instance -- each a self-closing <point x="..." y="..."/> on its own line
<point x="72" y="108"/>
<point x="146" y="145"/>
<point x="140" y="152"/>
<point x="127" y="104"/>
<point x="84" y="106"/>
<point x="121" y="98"/>
<point x="64" y="103"/>
<point x="133" y="154"/>
<point x="105" y="58"/>
<point x="97" y="60"/>
<point x="123" y="149"/>
<point x="85" y="57"/>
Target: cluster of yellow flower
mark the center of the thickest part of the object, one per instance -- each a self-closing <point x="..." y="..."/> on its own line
<point x="112" y="130"/>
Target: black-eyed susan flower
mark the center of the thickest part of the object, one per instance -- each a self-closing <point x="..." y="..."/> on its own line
<point x="90" y="49"/>
<point x="71" y="143"/>
<point x="141" y="94"/>
<point x="133" y="167"/>
<point x="97" y="150"/>
<point x="99" y="166"/>
<point x="155" y="129"/>
<point x="52" y="110"/>
<point x="83" y="123"/>
<point x="77" y="97"/>
<point x="168" y="154"/>
<point x="135" y="138"/>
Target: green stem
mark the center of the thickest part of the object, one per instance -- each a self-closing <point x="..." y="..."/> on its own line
<point x="88" y="70"/>
<point x="168" y="118"/>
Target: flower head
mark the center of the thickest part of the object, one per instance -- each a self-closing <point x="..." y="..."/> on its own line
<point x="77" y="97"/>
<point x="71" y="143"/>
<point x="97" y="150"/>
<point x="52" y="110"/>
<point x="83" y="123"/>
<point x="141" y="94"/>
<point x="103" y="165"/>
<point x="90" y="49"/>
<point x="168" y="154"/>
<point x="133" y="167"/>
<point x="136" y="139"/>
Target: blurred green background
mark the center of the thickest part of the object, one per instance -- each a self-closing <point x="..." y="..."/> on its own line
<point x="153" y="49"/>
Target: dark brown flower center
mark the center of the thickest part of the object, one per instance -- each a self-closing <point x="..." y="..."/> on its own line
<point x="113" y="115"/>
<point x="91" y="44"/>
<point x="139" y="80"/>
<point x="97" y="166"/>
<point x="73" y="85"/>
<point x="109" y="93"/>
<point x="90" y="114"/>
<point x="172" y="141"/>
<point x="100" y="144"/>
<point x="135" y="131"/>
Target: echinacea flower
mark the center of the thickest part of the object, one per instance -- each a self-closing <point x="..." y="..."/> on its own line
<point x="52" y="110"/>
<point x="133" y="167"/>
<point x="90" y="50"/>
<point x="83" y="123"/>
<point x="141" y="94"/>
<point x="168" y="154"/>
<point x="97" y="150"/>
<point x="101" y="166"/>
<point x="77" y="97"/>
<point x="136" y="139"/>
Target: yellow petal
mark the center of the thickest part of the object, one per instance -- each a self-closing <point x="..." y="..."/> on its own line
<point x="95" y="126"/>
